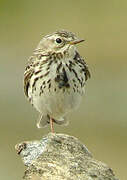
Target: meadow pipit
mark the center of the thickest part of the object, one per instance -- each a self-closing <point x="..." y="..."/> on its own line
<point x="54" y="78"/>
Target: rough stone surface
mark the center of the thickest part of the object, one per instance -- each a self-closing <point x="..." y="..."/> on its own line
<point x="61" y="157"/>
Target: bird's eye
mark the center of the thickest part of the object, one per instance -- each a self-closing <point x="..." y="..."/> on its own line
<point x="58" y="40"/>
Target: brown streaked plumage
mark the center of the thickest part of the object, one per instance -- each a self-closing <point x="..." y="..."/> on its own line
<point x="55" y="77"/>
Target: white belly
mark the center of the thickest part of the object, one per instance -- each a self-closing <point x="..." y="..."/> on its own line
<point x="56" y="104"/>
<point x="55" y="101"/>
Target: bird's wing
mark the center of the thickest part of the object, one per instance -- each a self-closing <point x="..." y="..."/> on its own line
<point x="87" y="72"/>
<point x="28" y="74"/>
<point x="85" y="66"/>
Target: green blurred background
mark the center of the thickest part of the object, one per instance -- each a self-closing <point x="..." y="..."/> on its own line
<point x="101" y="120"/>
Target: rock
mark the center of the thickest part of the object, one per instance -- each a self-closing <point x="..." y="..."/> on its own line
<point x="61" y="157"/>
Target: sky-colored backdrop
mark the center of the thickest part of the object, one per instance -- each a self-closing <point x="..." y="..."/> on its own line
<point x="101" y="120"/>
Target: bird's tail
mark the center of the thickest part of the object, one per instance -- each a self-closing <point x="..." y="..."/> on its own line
<point x="62" y="121"/>
<point x="44" y="120"/>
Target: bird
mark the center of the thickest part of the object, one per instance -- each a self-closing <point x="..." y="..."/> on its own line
<point x="55" y="78"/>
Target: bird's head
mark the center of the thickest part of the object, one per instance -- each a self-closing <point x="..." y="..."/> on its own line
<point x="59" y="41"/>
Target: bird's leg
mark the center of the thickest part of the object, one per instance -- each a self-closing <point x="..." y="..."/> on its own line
<point x="51" y="125"/>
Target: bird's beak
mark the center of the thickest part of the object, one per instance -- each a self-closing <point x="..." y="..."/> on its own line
<point x="76" y="41"/>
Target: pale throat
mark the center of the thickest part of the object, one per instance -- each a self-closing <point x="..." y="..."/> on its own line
<point x="70" y="51"/>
